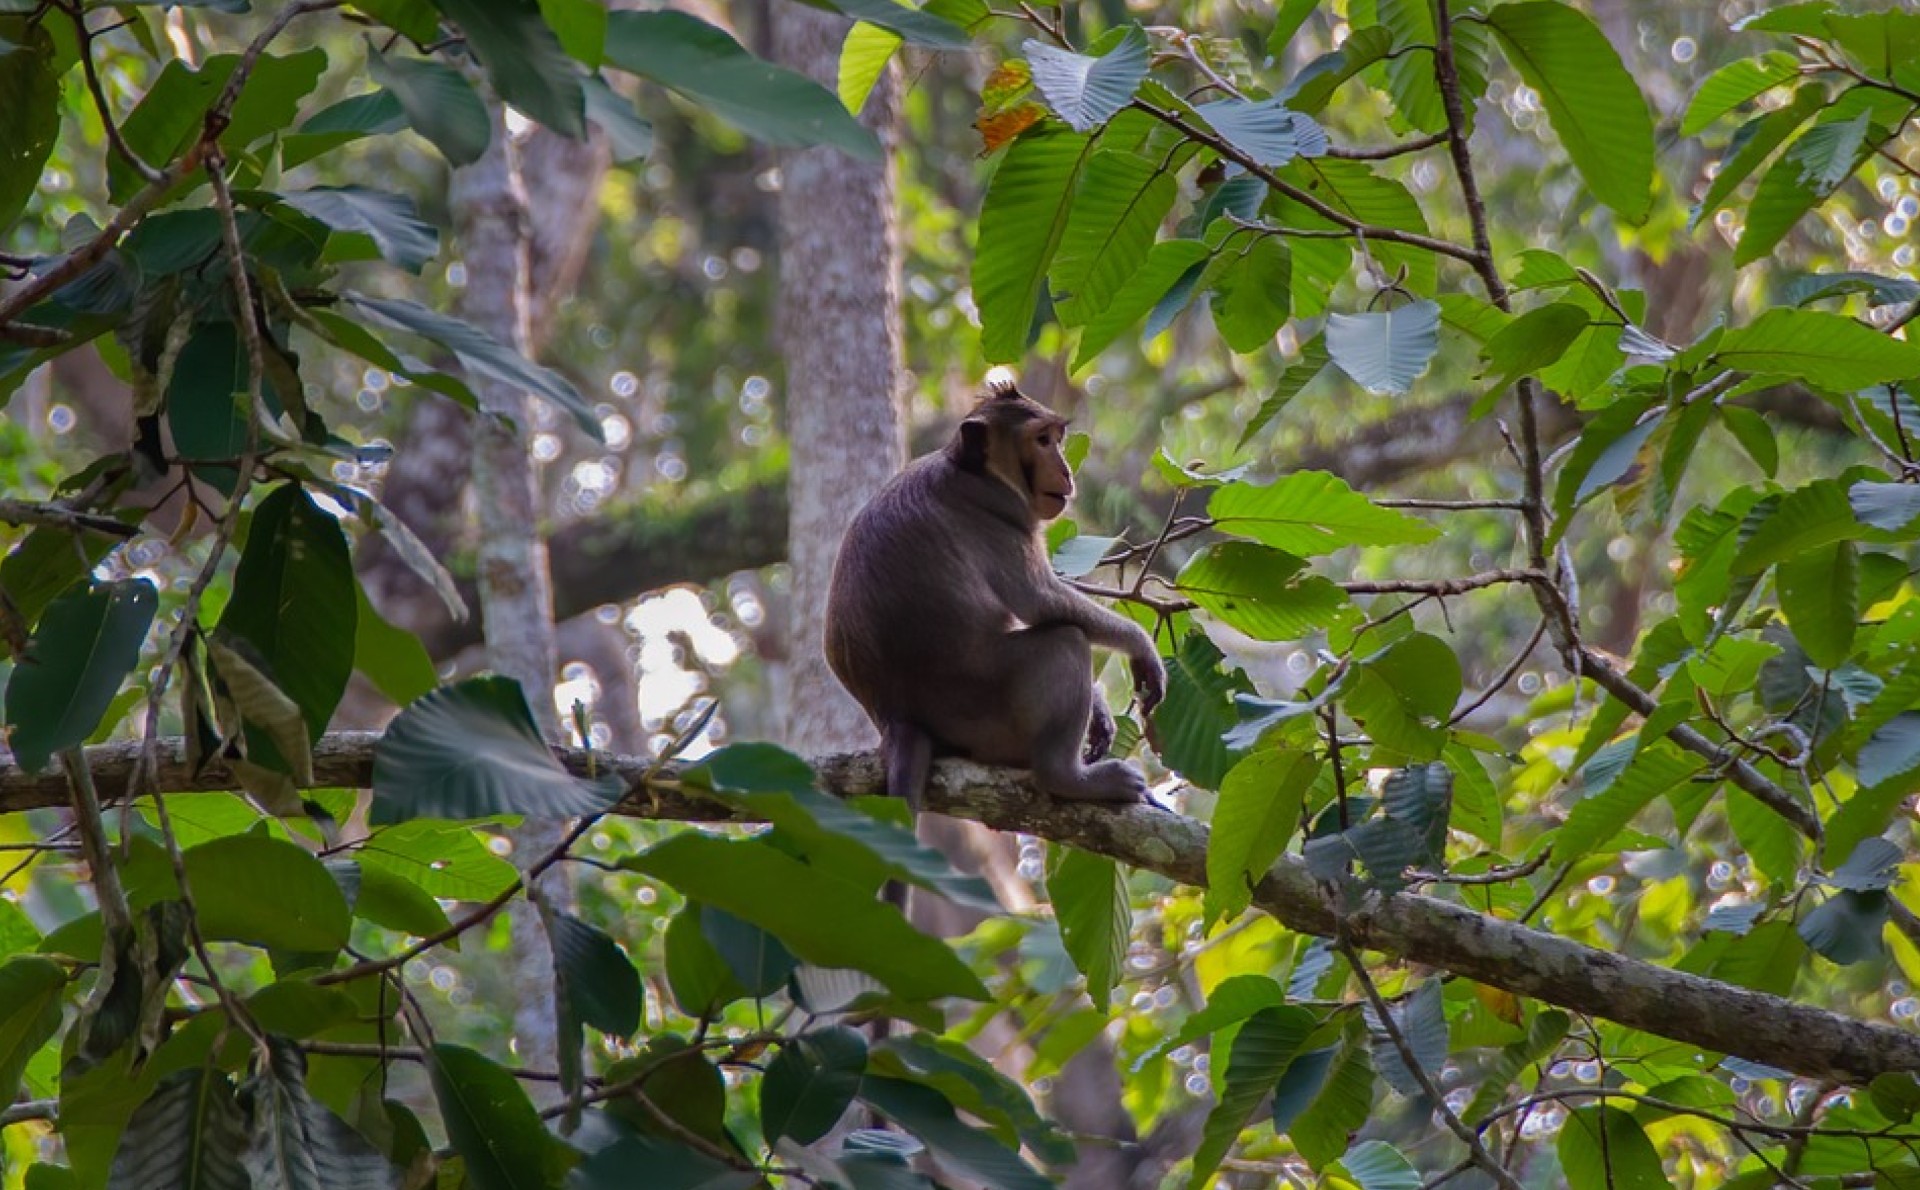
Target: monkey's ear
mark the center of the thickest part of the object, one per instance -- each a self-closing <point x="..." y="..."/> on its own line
<point x="974" y="436"/>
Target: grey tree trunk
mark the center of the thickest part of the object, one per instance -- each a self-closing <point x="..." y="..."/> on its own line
<point x="840" y="332"/>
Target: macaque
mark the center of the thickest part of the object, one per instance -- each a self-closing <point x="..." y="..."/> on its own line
<point x="946" y="622"/>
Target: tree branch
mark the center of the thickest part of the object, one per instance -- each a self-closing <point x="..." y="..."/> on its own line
<point x="1718" y="1017"/>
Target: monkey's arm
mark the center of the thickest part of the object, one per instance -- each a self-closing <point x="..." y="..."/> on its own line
<point x="1057" y="603"/>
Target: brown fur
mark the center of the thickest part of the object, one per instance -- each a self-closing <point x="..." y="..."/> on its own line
<point x="949" y="626"/>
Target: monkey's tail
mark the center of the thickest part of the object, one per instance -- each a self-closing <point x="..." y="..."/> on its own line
<point x="908" y="752"/>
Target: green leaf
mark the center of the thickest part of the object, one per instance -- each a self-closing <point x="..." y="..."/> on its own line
<point x="1021" y="224"/>
<point x="629" y="137"/>
<point x="1260" y="1052"/>
<point x="1735" y="84"/>
<point x="1604" y="1148"/>
<point x="31" y="992"/>
<point x="471" y="750"/>
<point x="973" y="1085"/>
<point x="921" y="26"/>
<point x="1606" y="452"/>
<point x="267" y="892"/>
<point x="1377" y="1165"/>
<point x="927" y="1114"/>
<point x="1354" y="189"/>
<point x="1533" y="341"/>
<point x="484" y="355"/>
<point x="87" y="642"/>
<point x="667" y="1165"/>
<point x="30" y="95"/>
<point x="415" y="20"/>
<point x="710" y="68"/>
<point x="45" y="563"/>
<point x="1892" y="751"/>
<point x="298" y="1144"/>
<point x="1089" y="896"/>
<point x="376" y="113"/>
<point x="1263" y="592"/>
<point x="824" y="919"/>
<point x="1198" y="711"/>
<point x="1084" y="91"/>
<point x="188" y="1135"/>
<point x="1831" y="352"/>
<point x="1592" y="102"/>
<point x="1269" y="131"/>
<point x="779" y="787"/>
<point x="1115" y="217"/>
<point x="1755" y="437"/>
<point x="581" y="26"/>
<point x="1476" y="803"/>
<point x="1659" y="768"/>
<point x="1752" y="144"/>
<point x="1543" y="1037"/>
<point x="389" y="899"/>
<point x="1421" y="1020"/>
<point x="698" y="975"/>
<point x="294" y="601"/>
<point x="391" y="658"/>
<point x="1806" y="175"/>
<point x="442" y="859"/>
<point x="1312" y="512"/>
<point x="1772" y="842"/>
<point x="1818" y="593"/>
<point x="490" y="1121"/>
<point x="1385" y="353"/>
<point x="1232" y="1000"/>
<point x="599" y="979"/>
<point x="1806" y="519"/>
<point x="864" y="56"/>
<point x="523" y="59"/>
<point x="811" y="1083"/>
<point x="1258" y="811"/>
<point x="1890" y="506"/>
<point x="169" y="117"/>
<point x="387" y="219"/>
<point x="1252" y="293"/>
<point x="1313" y="360"/>
<point x="439" y="104"/>
<point x="1165" y="264"/>
<point x="1326" y="1128"/>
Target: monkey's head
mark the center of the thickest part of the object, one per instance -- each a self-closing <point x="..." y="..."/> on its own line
<point x="1021" y="443"/>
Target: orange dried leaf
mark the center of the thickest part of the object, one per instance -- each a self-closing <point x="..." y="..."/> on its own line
<point x="997" y="130"/>
<point x="1502" y="1004"/>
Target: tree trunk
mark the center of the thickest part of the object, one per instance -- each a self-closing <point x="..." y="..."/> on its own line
<point x="840" y="333"/>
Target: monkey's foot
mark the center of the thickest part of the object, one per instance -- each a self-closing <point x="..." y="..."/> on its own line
<point x="1113" y="781"/>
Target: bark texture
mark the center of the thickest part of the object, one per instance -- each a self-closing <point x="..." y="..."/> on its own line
<point x="840" y="333"/>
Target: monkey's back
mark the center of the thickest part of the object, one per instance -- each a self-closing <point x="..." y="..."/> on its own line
<point x="912" y="600"/>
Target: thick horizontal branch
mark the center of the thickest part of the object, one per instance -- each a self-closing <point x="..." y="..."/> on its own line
<point x="1715" y="1016"/>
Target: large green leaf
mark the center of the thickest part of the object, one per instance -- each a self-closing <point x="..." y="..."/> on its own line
<point x="1592" y="102"/>
<point x="484" y="355"/>
<point x="1021" y="224"/>
<point x="1893" y="507"/>
<point x="824" y="919"/>
<point x="1252" y="291"/>
<point x="1270" y="132"/>
<point x="1752" y="144"/>
<point x="1809" y="518"/>
<point x="599" y="979"/>
<point x="188" y="1135"/>
<point x="1086" y="91"/>
<point x="666" y="1164"/>
<point x="524" y="60"/>
<point x="1377" y="1165"/>
<point x="927" y="1114"/>
<point x="1831" y="352"/>
<point x="1116" y="214"/>
<point x="1813" y="167"/>
<point x="1605" y="1148"/>
<point x="764" y="101"/>
<point x="31" y="992"/>
<point x="295" y="602"/>
<point x="973" y="1085"/>
<point x="1089" y="896"/>
<point x="1260" y="1052"/>
<point x="30" y="95"/>
<point x="490" y="1121"/>
<point x="1325" y="1129"/>
<point x="442" y="859"/>
<point x="1659" y="768"/>
<point x="267" y="892"/>
<point x="399" y="235"/>
<point x="1302" y="372"/>
<point x="169" y="117"/>
<point x="1892" y="751"/>
<point x="391" y="658"/>
<point x="471" y="750"/>
<point x="1263" y="592"/>
<point x="300" y="1145"/>
<point x="375" y="113"/>
<point x="1198" y="711"/>
<point x="439" y="104"/>
<point x="1386" y="352"/>
<point x="1819" y="592"/>
<point x="811" y="1083"/>
<point x="87" y="642"/>
<point x="1231" y="1001"/>
<point x="1166" y="263"/>
<point x="1848" y="927"/>
<point x="919" y="26"/>
<point x="1312" y="512"/>
<point x="1735" y="84"/>
<point x="1421" y="1020"/>
<point x="1258" y="811"/>
<point x="1355" y="189"/>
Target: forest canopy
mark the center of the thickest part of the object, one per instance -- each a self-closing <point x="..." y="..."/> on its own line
<point x="1501" y="416"/>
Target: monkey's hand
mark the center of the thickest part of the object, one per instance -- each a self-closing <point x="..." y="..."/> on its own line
<point x="1099" y="730"/>
<point x="1149" y="676"/>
